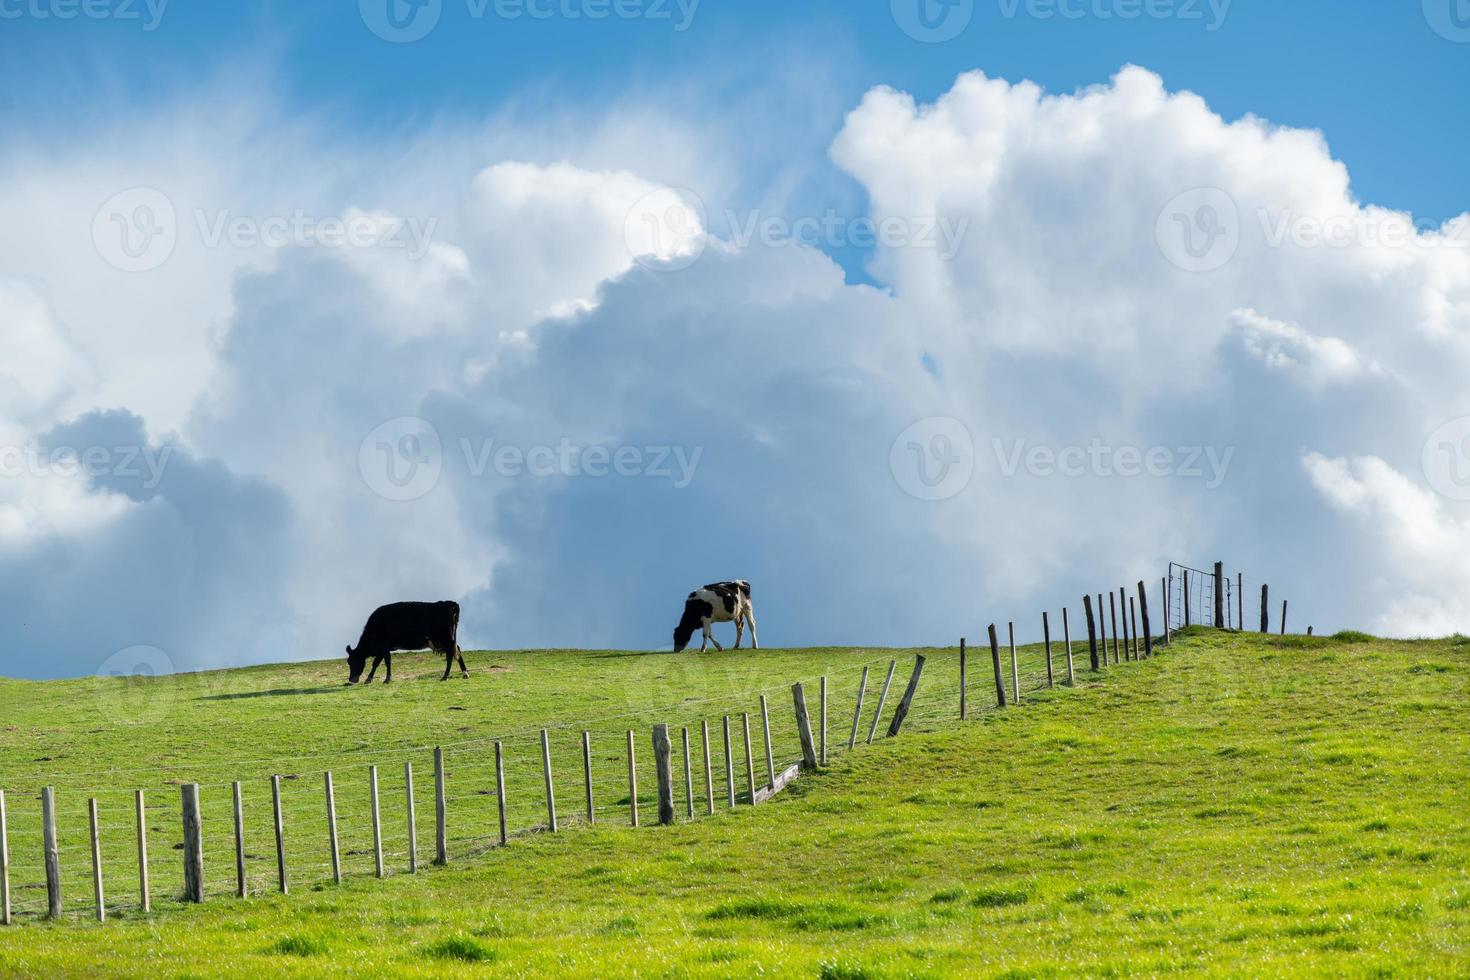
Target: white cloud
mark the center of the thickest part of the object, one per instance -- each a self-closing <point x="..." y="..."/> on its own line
<point x="1316" y="362"/>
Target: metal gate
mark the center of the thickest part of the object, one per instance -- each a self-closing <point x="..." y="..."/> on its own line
<point x="1192" y="598"/>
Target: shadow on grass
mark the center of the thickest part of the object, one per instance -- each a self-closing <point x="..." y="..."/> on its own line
<point x="276" y="693"/>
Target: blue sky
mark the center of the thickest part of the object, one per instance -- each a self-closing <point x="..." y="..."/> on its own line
<point x="1375" y="77"/>
<point x="1200" y="262"/>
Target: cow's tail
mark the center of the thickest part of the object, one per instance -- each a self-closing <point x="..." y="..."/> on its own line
<point x="454" y="626"/>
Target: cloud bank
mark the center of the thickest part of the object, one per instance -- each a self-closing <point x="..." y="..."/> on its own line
<point x="566" y="400"/>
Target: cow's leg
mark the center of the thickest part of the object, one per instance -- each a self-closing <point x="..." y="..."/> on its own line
<point x="376" y="660"/>
<point x="448" y="665"/>
<point x="710" y="636"/>
<point x="388" y="662"/>
<point x="750" y="618"/>
<point x="459" y="655"/>
<point x="739" y="630"/>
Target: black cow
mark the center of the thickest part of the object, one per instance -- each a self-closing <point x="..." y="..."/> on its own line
<point x="407" y="626"/>
<point x="718" y="602"/>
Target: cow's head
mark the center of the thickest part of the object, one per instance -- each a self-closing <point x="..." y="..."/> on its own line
<point x="356" y="661"/>
<point x="691" y="621"/>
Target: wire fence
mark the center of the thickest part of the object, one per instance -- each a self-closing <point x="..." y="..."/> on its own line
<point x="846" y="707"/>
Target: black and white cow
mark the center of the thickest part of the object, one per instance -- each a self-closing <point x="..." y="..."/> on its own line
<point x="407" y="626"/>
<point x="719" y="602"/>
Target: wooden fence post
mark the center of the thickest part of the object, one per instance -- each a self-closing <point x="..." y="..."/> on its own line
<point x="1123" y="608"/>
<point x="96" y="861"/>
<point x="824" y="720"/>
<point x="1164" y="588"/>
<point x="53" y="856"/>
<point x="1283" y="617"/>
<point x="1265" y="613"/>
<point x="1091" y="630"/>
<point x="441" y="808"/>
<point x="587" y="775"/>
<point x="4" y="864"/>
<point x="500" y="791"/>
<point x="803" y="729"/>
<point x="1000" y="684"/>
<point x="1148" y="637"/>
<point x="1186" y="597"/>
<point x="411" y="817"/>
<point x="1015" y="669"/>
<point x="332" y="830"/>
<point x="962" y="678"/>
<point x="546" y="768"/>
<point x="193" y="844"/>
<point x="709" y="773"/>
<point x="729" y="765"/>
<point x="1133" y="619"/>
<point x="770" y="758"/>
<point x="632" y="779"/>
<point x="1240" y="602"/>
<point x="1046" y="640"/>
<point x="1067" y="639"/>
<point x="280" y="825"/>
<point x="902" y="711"/>
<point x="1219" y="595"/>
<point x="143" y="897"/>
<point x="663" y="773"/>
<point x="749" y="757"/>
<point x="858" y="712"/>
<point x="242" y="887"/>
<point x="882" y="700"/>
<point x="688" y="776"/>
<point x="376" y="816"/>
<point x="1113" y="614"/>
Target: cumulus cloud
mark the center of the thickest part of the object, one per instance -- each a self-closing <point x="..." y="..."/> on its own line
<point x="1089" y="386"/>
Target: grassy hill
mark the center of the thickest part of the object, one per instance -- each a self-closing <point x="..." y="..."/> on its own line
<point x="1238" y="805"/>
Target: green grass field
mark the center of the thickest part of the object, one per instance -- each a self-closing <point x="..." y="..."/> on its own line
<point x="1238" y="805"/>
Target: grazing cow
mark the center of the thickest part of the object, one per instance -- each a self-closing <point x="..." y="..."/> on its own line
<point x="719" y="602"/>
<point x="407" y="626"/>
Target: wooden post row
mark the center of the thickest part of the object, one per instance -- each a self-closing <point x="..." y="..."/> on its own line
<point x="500" y="791"/>
<point x="1000" y="686"/>
<point x="1113" y="614"/>
<point x="1133" y="620"/>
<point x="902" y="711"/>
<point x="411" y="816"/>
<point x="1219" y="595"/>
<point x="377" y="821"/>
<point x="688" y="776"/>
<point x="729" y="765"/>
<point x="143" y="897"/>
<point x="4" y="864"/>
<point x="241" y="886"/>
<point x="709" y="773"/>
<point x="962" y="678"/>
<point x="1283" y="617"/>
<point x="824" y="720"/>
<point x="749" y="757"/>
